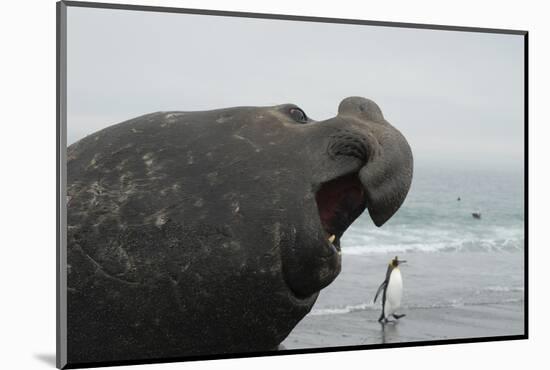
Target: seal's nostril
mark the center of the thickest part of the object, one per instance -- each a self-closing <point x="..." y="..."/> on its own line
<point x="348" y="143"/>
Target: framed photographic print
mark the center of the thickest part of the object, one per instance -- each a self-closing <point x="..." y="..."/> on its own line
<point x="237" y="184"/>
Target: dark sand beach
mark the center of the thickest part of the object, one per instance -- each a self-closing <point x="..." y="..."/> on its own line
<point x="421" y="324"/>
<point x="446" y="296"/>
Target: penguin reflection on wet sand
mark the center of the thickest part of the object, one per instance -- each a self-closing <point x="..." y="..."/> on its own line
<point x="392" y="290"/>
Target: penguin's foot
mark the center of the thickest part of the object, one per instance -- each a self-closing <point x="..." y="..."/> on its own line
<point x="397" y="317"/>
<point x="384" y="320"/>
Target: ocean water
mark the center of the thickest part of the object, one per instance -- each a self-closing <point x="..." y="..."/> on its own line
<point x="453" y="259"/>
<point x="433" y="220"/>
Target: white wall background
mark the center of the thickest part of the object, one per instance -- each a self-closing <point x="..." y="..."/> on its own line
<point x="27" y="271"/>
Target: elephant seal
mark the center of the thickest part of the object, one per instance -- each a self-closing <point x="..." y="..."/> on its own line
<point x="193" y="233"/>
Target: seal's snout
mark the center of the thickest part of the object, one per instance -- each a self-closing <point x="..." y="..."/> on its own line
<point x="361" y="107"/>
<point x="370" y="167"/>
<point x="386" y="157"/>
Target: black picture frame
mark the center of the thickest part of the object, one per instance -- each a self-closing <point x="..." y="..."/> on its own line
<point x="61" y="157"/>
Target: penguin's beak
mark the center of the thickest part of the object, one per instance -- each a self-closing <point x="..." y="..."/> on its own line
<point x="404" y="261"/>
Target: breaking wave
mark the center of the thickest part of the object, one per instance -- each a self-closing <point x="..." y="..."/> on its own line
<point x="402" y="241"/>
<point x="376" y="306"/>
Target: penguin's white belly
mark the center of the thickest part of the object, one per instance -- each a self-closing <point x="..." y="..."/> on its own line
<point x="394" y="291"/>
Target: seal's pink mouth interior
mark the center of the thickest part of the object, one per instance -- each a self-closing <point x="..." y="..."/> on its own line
<point x="340" y="202"/>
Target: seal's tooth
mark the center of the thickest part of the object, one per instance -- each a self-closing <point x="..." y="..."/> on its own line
<point x="331" y="238"/>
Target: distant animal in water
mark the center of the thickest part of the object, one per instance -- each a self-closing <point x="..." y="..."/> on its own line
<point x="476" y="215"/>
<point x="392" y="291"/>
<point x="458" y="199"/>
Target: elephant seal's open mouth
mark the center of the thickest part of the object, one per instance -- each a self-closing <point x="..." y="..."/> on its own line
<point x="362" y="162"/>
<point x="340" y="202"/>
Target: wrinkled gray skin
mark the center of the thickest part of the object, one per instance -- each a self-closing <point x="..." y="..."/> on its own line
<point x="199" y="233"/>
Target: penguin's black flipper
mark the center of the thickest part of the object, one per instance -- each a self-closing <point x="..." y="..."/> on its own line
<point x="384" y="283"/>
<point x="397" y="317"/>
<point x="380" y="289"/>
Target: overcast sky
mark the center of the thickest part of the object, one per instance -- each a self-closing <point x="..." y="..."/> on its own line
<point x="456" y="96"/>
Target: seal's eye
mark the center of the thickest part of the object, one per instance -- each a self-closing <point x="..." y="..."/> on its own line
<point x="298" y="115"/>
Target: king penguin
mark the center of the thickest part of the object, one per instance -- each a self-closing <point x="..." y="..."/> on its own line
<point x="392" y="288"/>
